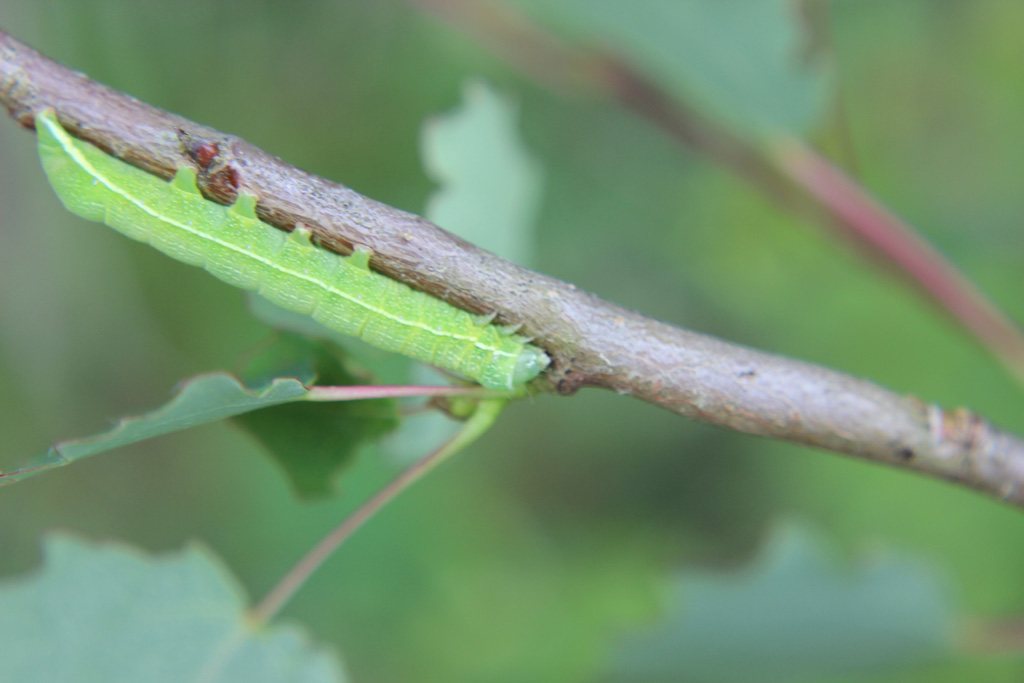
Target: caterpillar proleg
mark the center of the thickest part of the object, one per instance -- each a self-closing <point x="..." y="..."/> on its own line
<point x="230" y="242"/>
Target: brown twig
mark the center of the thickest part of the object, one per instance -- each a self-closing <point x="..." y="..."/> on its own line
<point x="591" y="342"/>
<point x="988" y="637"/>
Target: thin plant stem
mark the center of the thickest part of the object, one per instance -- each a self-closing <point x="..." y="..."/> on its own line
<point x="360" y="392"/>
<point x="478" y="423"/>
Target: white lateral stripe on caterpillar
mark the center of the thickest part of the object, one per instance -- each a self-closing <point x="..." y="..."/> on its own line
<point x="433" y="330"/>
<point x="67" y="143"/>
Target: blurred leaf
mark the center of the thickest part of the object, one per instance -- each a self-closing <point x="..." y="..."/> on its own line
<point x="201" y="399"/>
<point x="490" y="185"/>
<point x="741" y="59"/>
<point x="313" y="441"/>
<point x="286" y="355"/>
<point x="108" y="613"/>
<point x="795" y="614"/>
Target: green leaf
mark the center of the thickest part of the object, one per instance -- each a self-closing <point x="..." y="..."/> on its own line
<point x="740" y="59"/>
<point x="490" y="185"/>
<point x="201" y="399"/>
<point x="313" y="442"/>
<point x="107" y="613"/>
<point x="795" y="614"/>
<point x="285" y="355"/>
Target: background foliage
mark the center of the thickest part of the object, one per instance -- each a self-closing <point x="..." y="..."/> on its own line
<point x="544" y="551"/>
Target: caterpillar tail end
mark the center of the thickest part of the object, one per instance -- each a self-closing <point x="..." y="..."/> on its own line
<point x="52" y="139"/>
<point x="61" y="160"/>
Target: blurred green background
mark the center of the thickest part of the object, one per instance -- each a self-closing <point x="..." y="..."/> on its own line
<point x="531" y="555"/>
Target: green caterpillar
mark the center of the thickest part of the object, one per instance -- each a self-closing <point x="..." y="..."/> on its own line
<point x="341" y="292"/>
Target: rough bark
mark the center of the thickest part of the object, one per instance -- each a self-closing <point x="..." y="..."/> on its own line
<point x="592" y="342"/>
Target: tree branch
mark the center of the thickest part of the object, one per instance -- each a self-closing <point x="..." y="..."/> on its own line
<point x="592" y="342"/>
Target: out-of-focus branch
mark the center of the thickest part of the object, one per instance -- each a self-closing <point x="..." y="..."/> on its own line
<point x="591" y="342"/>
<point x="897" y="245"/>
<point x="791" y="173"/>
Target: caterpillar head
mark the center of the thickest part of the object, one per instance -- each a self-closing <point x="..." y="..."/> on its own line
<point x="531" y="362"/>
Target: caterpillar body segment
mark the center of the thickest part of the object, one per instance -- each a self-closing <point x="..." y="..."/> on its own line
<point x="232" y="244"/>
